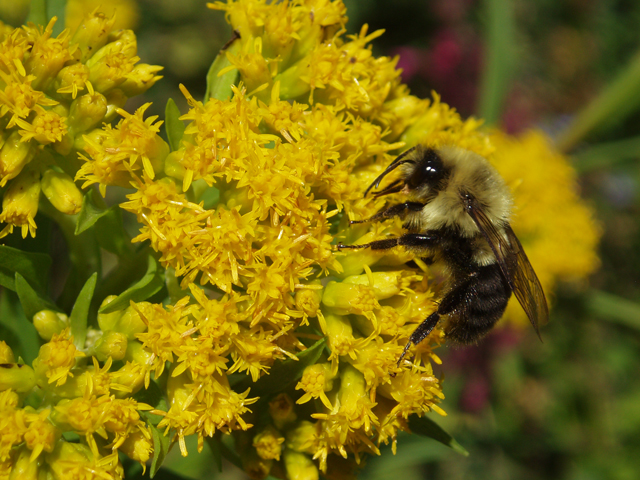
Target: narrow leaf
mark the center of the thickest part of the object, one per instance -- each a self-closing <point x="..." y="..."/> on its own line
<point x="614" y="308"/>
<point x="34" y="267"/>
<point x="92" y="210"/>
<point x="219" y="87"/>
<point x="80" y="312"/>
<point x="615" y="103"/>
<point x="283" y="373"/>
<point x="428" y="428"/>
<point x="16" y="329"/>
<point x="499" y="63"/>
<point x="148" y="285"/>
<point x="606" y="155"/>
<point x="173" y="125"/>
<point x="161" y="444"/>
<point x="31" y="300"/>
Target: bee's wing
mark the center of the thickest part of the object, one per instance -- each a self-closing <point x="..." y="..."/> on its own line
<point x="514" y="264"/>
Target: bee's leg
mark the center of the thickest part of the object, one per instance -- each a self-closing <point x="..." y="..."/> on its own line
<point x="407" y="240"/>
<point x="448" y="305"/>
<point x="399" y="210"/>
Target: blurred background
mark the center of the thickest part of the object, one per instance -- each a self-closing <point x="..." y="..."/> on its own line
<point x="568" y="408"/>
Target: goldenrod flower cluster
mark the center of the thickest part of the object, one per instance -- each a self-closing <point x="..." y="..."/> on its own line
<point x="54" y="90"/>
<point x="272" y="337"/>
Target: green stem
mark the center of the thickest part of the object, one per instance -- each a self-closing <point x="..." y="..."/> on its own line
<point x="614" y="308"/>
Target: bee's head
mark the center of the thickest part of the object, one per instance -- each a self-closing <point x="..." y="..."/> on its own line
<point x="423" y="171"/>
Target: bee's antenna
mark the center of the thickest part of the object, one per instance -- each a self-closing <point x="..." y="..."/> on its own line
<point x="392" y="166"/>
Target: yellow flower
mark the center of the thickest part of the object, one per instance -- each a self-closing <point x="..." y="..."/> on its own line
<point x="20" y="203"/>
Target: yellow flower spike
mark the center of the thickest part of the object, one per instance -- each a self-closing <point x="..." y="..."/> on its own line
<point x="6" y="354"/>
<point x="131" y="376"/>
<point x="400" y="113"/>
<point x="86" y="112"/>
<point x="23" y="467"/>
<point x="48" y="55"/>
<point x="49" y="323"/>
<point x="315" y="382"/>
<point x="138" y="447"/>
<point x="385" y="284"/>
<point x="111" y="344"/>
<point x="61" y="191"/>
<point x="41" y="435"/>
<point x="268" y="443"/>
<point x="354" y="262"/>
<point x="339" y="335"/>
<point x="344" y="298"/>
<point x="55" y="360"/>
<point x="377" y="362"/>
<point x="92" y="34"/>
<point x="142" y="78"/>
<point x="282" y="411"/>
<point x="415" y="391"/>
<point x="20" y="203"/>
<point x="299" y="466"/>
<point x="15" y="154"/>
<point x="18" y="377"/>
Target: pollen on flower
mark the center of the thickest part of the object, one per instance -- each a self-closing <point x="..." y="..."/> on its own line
<point x="56" y="359"/>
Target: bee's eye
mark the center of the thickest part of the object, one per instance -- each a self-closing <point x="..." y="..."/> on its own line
<point x="429" y="171"/>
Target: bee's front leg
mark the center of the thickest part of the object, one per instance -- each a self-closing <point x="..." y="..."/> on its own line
<point x="400" y="210"/>
<point x="415" y="240"/>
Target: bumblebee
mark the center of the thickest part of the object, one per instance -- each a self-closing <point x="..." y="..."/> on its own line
<point x="457" y="212"/>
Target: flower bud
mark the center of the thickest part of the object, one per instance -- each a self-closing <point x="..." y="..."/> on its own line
<point x="6" y="354"/>
<point x="115" y="100"/>
<point x="302" y="437"/>
<point x="70" y="80"/>
<point x="60" y="190"/>
<point x="86" y="112"/>
<point x="141" y="79"/>
<point x="300" y="466"/>
<point x="18" y="377"/>
<point x="130" y="323"/>
<point x="282" y="411"/>
<point x="92" y="34"/>
<point x="14" y="155"/>
<point x="347" y="298"/>
<point x="49" y="323"/>
<point x="111" y="344"/>
<point x="137" y="447"/>
<point x="20" y="201"/>
<point x="268" y="443"/>
<point x="308" y="300"/>
<point x="108" y="321"/>
<point x="23" y="468"/>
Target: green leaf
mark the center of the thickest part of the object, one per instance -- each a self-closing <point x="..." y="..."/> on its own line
<point x="31" y="300"/>
<point x="500" y="59"/>
<point x="107" y="222"/>
<point x="426" y="427"/>
<point x="38" y="12"/>
<point x="34" y="267"/>
<point x="16" y="329"/>
<point x="161" y="444"/>
<point x="173" y="125"/>
<point x="283" y="373"/>
<point x="80" y="312"/>
<point x="606" y="155"/>
<point x="219" y="87"/>
<point x="148" y="285"/>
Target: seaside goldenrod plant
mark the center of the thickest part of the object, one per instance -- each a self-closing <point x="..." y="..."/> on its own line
<point x="249" y="330"/>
